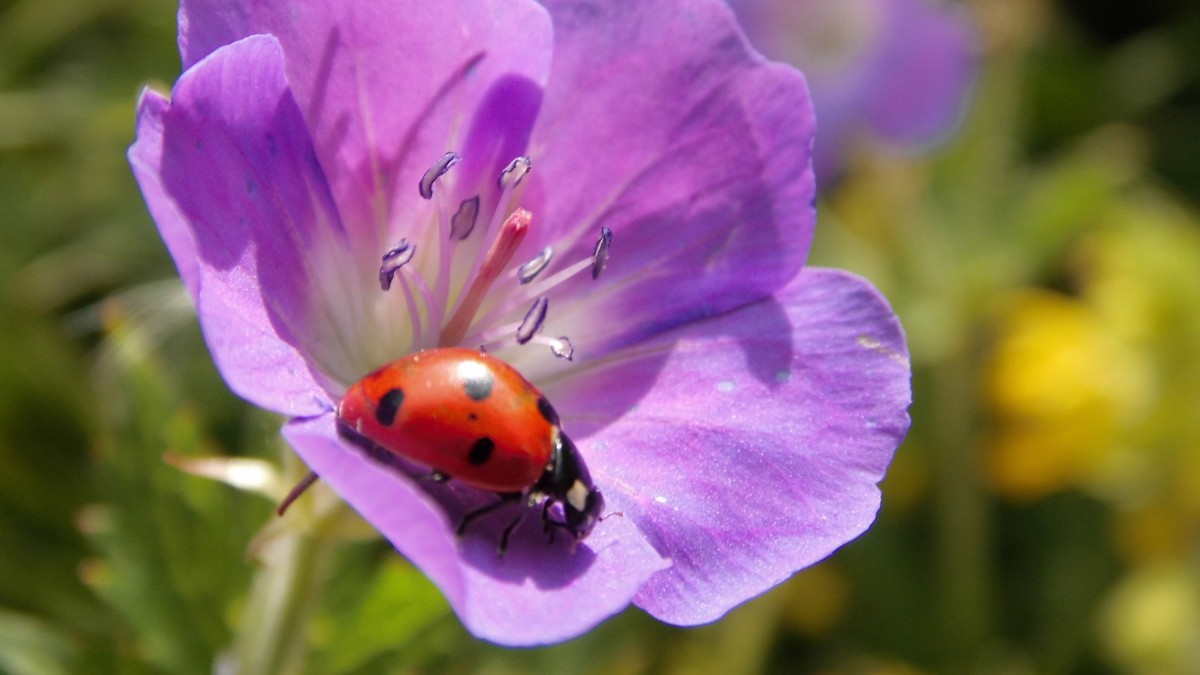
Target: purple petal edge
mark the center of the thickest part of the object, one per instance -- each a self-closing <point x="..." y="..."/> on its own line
<point x="690" y="147"/>
<point x="145" y="159"/>
<point x="536" y="594"/>
<point x="758" y="443"/>
<point x="383" y="84"/>
<point x="227" y="170"/>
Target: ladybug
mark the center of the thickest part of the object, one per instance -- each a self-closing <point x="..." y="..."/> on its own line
<point x="473" y="418"/>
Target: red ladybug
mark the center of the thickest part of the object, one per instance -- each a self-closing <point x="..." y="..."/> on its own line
<point x="474" y="418"/>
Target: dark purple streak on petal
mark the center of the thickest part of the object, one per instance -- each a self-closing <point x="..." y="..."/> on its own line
<point x="345" y="61"/>
<point x="704" y="176"/>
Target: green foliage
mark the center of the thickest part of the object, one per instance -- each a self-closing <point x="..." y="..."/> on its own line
<point x="1075" y="176"/>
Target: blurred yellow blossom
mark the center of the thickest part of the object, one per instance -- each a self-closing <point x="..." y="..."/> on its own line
<point x="1151" y="623"/>
<point x="1059" y="384"/>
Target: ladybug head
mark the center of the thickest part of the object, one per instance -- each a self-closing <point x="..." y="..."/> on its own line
<point x="567" y="481"/>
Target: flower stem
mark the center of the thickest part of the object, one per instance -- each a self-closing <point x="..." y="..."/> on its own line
<point x="962" y="519"/>
<point x="274" y="637"/>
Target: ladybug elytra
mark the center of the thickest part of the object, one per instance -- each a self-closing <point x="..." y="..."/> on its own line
<point x="473" y="418"/>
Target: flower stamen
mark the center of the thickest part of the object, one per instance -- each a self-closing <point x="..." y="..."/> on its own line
<point x="439" y="168"/>
<point x="596" y="263"/>
<point x="396" y="257"/>
<point x="508" y="336"/>
<point x="508" y="240"/>
<point x="508" y="181"/>
<point x="600" y="253"/>
<point x="510" y="224"/>
<point x="561" y="346"/>
<point x="463" y="220"/>
<point x="529" y="271"/>
<point x="393" y="262"/>
<point x="533" y="321"/>
<point x="514" y="173"/>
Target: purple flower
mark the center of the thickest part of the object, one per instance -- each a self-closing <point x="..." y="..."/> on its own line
<point x="899" y="70"/>
<point x="736" y="410"/>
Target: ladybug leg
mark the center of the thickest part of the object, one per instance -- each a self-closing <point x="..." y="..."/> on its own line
<point x="295" y="492"/>
<point x="509" y="530"/>
<point x="548" y="523"/>
<point x="471" y="516"/>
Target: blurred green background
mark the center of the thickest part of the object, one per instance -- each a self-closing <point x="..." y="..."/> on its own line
<point x="1042" y="517"/>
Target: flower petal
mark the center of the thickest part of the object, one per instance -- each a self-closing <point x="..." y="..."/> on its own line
<point x="749" y="445"/>
<point x="535" y="594"/>
<point x="145" y="158"/>
<point x="228" y="171"/>
<point x="688" y="146"/>
<point x="385" y="85"/>
<point x="923" y="72"/>
<point x="901" y="69"/>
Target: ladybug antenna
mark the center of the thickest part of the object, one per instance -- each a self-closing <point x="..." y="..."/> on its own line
<point x="296" y="491"/>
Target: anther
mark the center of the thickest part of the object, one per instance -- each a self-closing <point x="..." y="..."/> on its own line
<point x="533" y="321"/>
<point x="595" y="262"/>
<point x="463" y="221"/>
<point x="397" y="257"/>
<point x="562" y="347"/>
<point x="515" y="171"/>
<point x="600" y="254"/>
<point x="439" y="168"/>
<point x="529" y="271"/>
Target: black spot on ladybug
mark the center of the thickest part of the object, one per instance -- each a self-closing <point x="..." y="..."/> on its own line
<point x="472" y="416"/>
<point x="479" y="385"/>
<point x="481" y="452"/>
<point x="547" y="410"/>
<point x="389" y="405"/>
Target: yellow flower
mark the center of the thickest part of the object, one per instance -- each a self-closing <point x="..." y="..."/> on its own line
<point x="1151" y="622"/>
<point x="1059" y="385"/>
